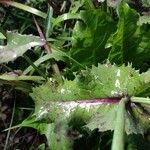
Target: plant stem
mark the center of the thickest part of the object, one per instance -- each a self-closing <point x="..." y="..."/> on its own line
<point x="25" y="8"/>
<point x="48" y="50"/>
<point x="140" y="100"/>
<point x="118" y="137"/>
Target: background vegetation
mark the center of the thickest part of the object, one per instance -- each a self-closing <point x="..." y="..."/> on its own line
<point x="54" y="41"/>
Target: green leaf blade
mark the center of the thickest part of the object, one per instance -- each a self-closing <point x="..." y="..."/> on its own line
<point x="17" y="45"/>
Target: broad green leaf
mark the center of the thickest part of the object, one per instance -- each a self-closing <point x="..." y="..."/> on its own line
<point x="130" y="42"/>
<point x="56" y="134"/>
<point x="89" y="37"/>
<point x="106" y="120"/>
<point x="104" y="81"/>
<point x="90" y="101"/>
<point x="17" y="45"/>
<point x="141" y="55"/>
<point x="58" y="138"/>
<point x="100" y="82"/>
<point x="123" y="40"/>
<point x="95" y="41"/>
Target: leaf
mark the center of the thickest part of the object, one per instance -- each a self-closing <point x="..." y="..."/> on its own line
<point x="90" y="101"/>
<point x="94" y="84"/>
<point x="141" y="55"/>
<point x="130" y="42"/>
<point x="124" y="36"/>
<point x="25" y="8"/>
<point x="89" y="37"/>
<point x="56" y="134"/>
<point x="2" y="36"/>
<point x="64" y="17"/>
<point x="142" y="114"/>
<point x="144" y="20"/>
<point x="137" y="142"/>
<point x="17" y="45"/>
<point x="41" y="147"/>
<point x="95" y="41"/>
<point x="102" y="82"/>
<point x="19" y="85"/>
<point x="106" y="120"/>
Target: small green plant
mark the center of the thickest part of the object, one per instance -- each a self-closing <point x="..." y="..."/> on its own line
<point x="90" y="76"/>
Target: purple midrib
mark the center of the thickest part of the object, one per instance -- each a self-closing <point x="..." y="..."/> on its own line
<point x="101" y="101"/>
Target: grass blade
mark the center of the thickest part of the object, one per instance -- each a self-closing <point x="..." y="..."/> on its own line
<point x="22" y="77"/>
<point x="64" y="17"/>
<point x="49" y="22"/>
<point x="25" y="8"/>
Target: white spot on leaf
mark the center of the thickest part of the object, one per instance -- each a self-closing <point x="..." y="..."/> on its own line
<point x="117" y="83"/>
<point x="42" y="112"/>
<point x="118" y="73"/>
<point x="62" y="91"/>
<point x="114" y="93"/>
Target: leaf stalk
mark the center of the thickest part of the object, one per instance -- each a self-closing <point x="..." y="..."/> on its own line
<point x="119" y="131"/>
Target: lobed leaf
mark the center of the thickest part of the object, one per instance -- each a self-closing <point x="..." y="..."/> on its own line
<point x="17" y="45"/>
<point x="90" y="101"/>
